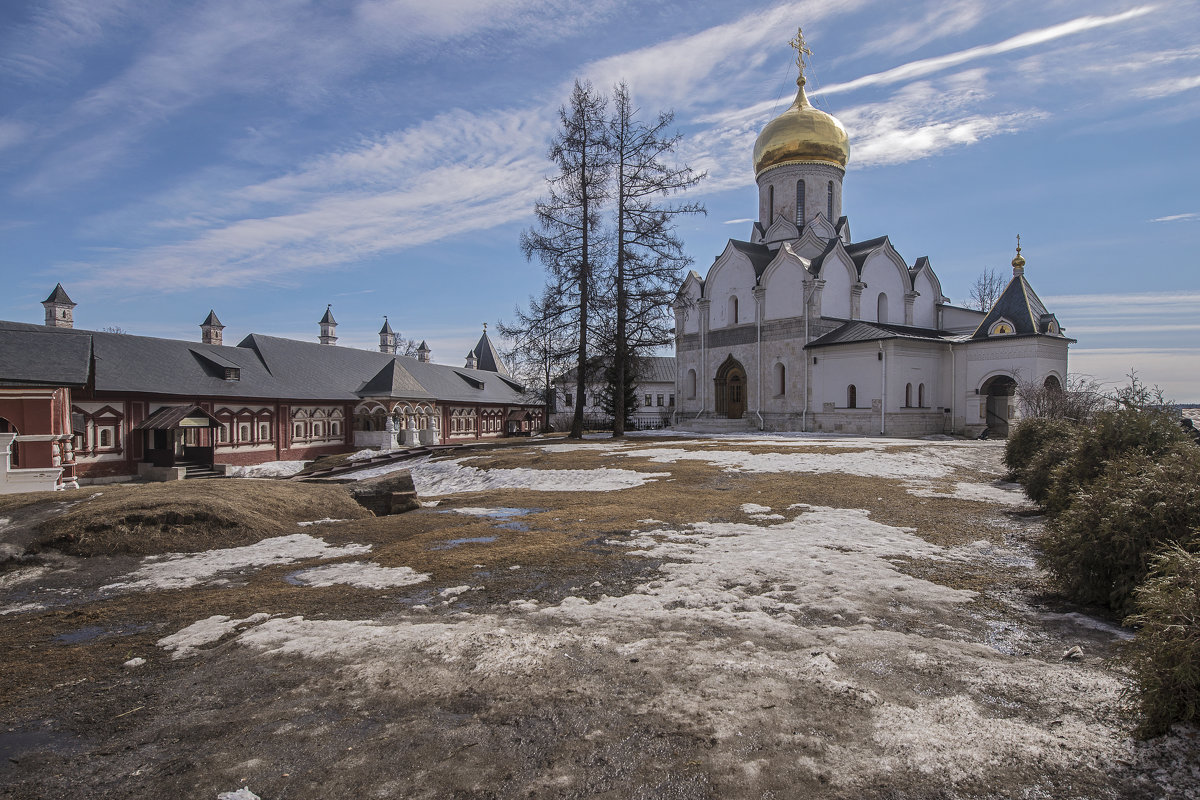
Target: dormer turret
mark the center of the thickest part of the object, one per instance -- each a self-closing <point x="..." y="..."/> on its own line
<point x="471" y="362"/>
<point x="210" y="329"/>
<point x="423" y="352"/>
<point x="328" y="326"/>
<point x="387" y="337"/>
<point x="59" y="309"/>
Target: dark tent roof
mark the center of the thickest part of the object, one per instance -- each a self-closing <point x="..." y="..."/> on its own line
<point x="62" y="358"/>
<point x="486" y="356"/>
<point x="59" y="295"/>
<point x="387" y="328"/>
<point x="1022" y="307"/>
<point x="759" y="254"/>
<point x="328" y="318"/>
<point x="392" y="381"/>
<point x="212" y="321"/>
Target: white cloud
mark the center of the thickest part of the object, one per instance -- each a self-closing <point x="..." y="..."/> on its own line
<point x="927" y="66"/>
<point x="942" y="20"/>
<point x="1176" y="217"/>
<point x="1170" y="87"/>
<point x="737" y="221"/>
<point x="1175" y="370"/>
<point x="1110" y="303"/>
<point x="12" y="133"/>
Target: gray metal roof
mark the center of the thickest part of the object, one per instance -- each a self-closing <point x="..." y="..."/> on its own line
<point x="860" y="331"/>
<point x="267" y="366"/>
<point x="759" y="254"/>
<point x="61" y="358"/>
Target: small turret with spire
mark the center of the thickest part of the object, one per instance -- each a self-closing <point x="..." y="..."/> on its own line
<point x="328" y="326"/>
<point x="387" y="337"/>
<point x="1018" y="263"/>
<point x="210" y="329"/>
<point x="423" y="352"/>
<point x="59" y="309"/>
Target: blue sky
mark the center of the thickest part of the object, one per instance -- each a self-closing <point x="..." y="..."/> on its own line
<point x="267" y="157"/>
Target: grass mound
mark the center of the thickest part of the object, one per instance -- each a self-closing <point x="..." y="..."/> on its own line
<point x="186" y="516"/>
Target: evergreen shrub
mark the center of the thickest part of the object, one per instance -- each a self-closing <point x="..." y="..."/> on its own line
<point x="1164" y="656"/>
<point x="1111" y="435"/>
<point x="1099" y="549"/>
<point x="1027" y="439"/>
<point x="1038" y="474"/>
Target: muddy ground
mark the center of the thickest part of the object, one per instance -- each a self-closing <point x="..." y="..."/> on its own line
<point x="732" y="624"/>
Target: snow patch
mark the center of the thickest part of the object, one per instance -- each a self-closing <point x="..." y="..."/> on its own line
<point x="363" y="575"/>
<point x="434" y="478"/>
<point x="271" y="469"/>
<point x="206" y="631"/>
<point x="902" y="463"/>
<point x="326" y="521"/>
<point x="181" y="570"/>
<point x="1009" y="494"/>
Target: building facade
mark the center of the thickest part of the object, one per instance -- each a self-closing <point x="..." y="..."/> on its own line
<point x="107" y="406"/>
<point x="804" y="328"/>
<point x="654" y="390"/>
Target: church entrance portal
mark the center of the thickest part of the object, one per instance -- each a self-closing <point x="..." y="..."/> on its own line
<point x="999" y="391"/>
<point x="730" y="389"/>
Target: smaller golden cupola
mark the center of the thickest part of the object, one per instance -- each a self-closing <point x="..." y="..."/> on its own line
<point x="802" y="134"/>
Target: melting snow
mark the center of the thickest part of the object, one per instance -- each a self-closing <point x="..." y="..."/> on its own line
<point x="364" y="575"/>
<point x="180" y="570"/>
<point x="1009" y="494"/>
<point x="271" y="469"/>
<point x="450" y="477"/>
<point x="206" y="631"/>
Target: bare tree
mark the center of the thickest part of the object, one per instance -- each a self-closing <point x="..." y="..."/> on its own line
<point x="986" y="289"/>
<point x="648" y="256"/>
<point x="568" y="220"/>
<point x="114" y="329"/>
<point x="1081" y="398"/>
<point x="542" y="347"/>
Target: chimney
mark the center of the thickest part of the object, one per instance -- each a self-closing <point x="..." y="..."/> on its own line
<point x="423" y="353"/>
<point x="328" y="326"/>
<point x="471" y="360"/>
<point x="387" y="337"/>
<point x="210" y="329"/>
<point x="59" y="307"/>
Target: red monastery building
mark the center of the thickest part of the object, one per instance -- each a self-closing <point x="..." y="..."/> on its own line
<point x="102" y="406"/>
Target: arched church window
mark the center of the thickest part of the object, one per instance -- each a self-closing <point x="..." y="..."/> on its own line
<point x="105" y="437"/>
<point x="733" y="310"/>
<point x="264" y="431"/>
<point x="800" y="204"/>
<point x="691" y="384"/>
<point x="908" y="395"/>
<point x="299" y="431"/>
<point x="334" y="429"/>
<point x="881" y="308"/>
<point x="851" y="396"/>
<point x="921" y="395"/>
<point x="780" y="379"/>
<point x="770" y="204"/>
<point x="243" y="433"/>
<point x="829" y="201"/>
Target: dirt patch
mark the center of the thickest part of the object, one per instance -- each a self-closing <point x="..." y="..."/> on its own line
<point x="187" y="516"/>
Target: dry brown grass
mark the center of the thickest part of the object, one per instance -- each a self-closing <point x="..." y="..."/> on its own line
<point x="187" y="516"/>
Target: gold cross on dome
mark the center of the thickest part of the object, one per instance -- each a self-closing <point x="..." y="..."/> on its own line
<point x="801" y="47"/>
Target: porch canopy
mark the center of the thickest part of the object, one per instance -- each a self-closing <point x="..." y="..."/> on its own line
<point x="520" y="416"/>
<point x="169" y="418"/>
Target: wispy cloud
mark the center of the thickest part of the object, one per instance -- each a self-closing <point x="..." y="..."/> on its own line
<point x="928" y="66"/>
<point x="12" y="133"/>
<point x="737" y="221"/>
<point x="944" y="19"/>
<point x="1191" y="215"/>
<point x="1106" y="303"/>
<point x="1170" y="87"/>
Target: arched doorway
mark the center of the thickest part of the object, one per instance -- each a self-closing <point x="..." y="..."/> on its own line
<point x="998" y="389"/>
<point x="730" y="389"/>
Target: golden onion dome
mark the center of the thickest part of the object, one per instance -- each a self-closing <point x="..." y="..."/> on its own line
<point x="801" y="135"/>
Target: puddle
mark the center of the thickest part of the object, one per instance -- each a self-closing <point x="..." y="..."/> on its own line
<point x="16" y="745"/>
<point x="502" y="512"/>
<point x="456" y="542"/>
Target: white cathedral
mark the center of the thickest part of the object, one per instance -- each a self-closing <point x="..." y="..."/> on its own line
<point x="803" y="328"/>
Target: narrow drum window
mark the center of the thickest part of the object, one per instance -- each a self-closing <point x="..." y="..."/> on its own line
<point x="829" y="201"/>
<point x="770" y="204"/>
<point x="800" y="204"/>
